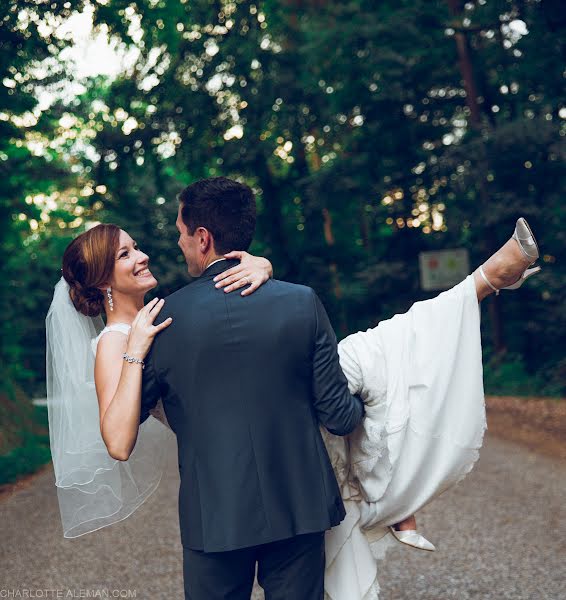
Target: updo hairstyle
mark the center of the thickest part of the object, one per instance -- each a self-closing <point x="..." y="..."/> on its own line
<point x="88" y="264"/>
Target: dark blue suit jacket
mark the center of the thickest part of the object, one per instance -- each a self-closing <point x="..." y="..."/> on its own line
<point x="245" y="383"/>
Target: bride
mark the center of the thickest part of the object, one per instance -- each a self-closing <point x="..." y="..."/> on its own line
<point x="419" y="375"/>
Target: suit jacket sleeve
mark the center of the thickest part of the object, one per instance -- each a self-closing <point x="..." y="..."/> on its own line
<point x="338" y="410"/>
<point x="150" y="392"/>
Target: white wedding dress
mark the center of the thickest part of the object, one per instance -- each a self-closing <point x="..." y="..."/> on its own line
<point x="420" y="377"/>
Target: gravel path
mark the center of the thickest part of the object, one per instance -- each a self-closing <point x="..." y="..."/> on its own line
<point x="500" y="534"/>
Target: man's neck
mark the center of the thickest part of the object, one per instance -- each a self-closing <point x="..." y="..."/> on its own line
<point x="213" y="259"/>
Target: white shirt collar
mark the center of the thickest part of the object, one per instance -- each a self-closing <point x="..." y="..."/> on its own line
<point x="215" y="261"/>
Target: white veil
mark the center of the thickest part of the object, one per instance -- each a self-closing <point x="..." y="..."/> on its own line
<point x="94" y="489"/>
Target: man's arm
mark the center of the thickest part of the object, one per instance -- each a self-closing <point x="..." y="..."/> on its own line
<point x="336" y="408"/>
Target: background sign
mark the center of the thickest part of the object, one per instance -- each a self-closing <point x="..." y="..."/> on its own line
<point x="443" y="269"/>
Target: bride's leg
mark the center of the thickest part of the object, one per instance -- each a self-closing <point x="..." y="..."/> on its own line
<point x="502" y="268"/>
<point x="410" y="523"/>
<point x="406" y="533"/>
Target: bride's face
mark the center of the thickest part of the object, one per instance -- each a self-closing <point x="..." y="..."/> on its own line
<point x="131" y="271"/>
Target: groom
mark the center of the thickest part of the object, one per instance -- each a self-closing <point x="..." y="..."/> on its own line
<point x="245" y="383"/>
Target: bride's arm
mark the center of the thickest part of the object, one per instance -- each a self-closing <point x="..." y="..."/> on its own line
<point x="118" y="383"/>
<point x="118" y="387"/>
<point x="253" y="270"/>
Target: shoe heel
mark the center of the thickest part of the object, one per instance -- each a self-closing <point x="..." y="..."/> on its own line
<point x="526" y="274"/>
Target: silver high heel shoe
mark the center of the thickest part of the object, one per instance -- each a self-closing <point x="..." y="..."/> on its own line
<point x="411" y="538"/>
<point x="526" y="240"/>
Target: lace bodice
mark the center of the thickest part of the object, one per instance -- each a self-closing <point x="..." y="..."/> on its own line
<point x="158" y="412"/>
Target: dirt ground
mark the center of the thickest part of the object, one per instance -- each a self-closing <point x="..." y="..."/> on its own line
<point x="537" y="423"/>
<point x="500" y="534"/>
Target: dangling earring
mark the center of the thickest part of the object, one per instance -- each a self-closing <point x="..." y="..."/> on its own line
<point x="110" y="300"/>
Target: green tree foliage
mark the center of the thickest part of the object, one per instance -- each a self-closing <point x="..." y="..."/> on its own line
<point x="370" y="131"/>
<point x="29" y="170"/>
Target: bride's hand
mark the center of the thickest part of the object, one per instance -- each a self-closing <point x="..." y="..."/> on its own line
<point x="252" y="270"/>
<point x="143" y="330"/>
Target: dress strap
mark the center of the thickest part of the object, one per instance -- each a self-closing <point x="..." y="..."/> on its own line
<point x="121" y="327"/>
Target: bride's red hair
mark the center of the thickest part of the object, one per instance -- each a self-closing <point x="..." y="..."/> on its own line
<point x="88" y="264"/>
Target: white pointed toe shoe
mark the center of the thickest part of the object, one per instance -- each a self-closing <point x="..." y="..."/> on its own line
<point x="528" y="245"/>
<point x="412" y="538"/>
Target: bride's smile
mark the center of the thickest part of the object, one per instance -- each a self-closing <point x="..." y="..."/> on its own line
<point x="144" y="273"/>
<point x="131" y="275"/>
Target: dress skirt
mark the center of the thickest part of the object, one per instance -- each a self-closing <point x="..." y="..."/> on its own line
<point x="420" y="376"/>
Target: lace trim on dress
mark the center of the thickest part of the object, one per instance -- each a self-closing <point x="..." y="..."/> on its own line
<point x="363" y="362"/>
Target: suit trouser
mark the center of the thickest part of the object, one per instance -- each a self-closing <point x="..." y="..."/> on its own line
<point x="290" y="569"/>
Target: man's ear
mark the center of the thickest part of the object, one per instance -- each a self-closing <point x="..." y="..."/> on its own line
<point x="205" y="240"/>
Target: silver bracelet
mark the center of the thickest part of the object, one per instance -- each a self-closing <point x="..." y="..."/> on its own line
<point x="132" y="359"/>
